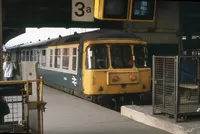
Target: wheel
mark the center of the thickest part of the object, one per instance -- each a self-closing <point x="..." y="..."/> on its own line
<point x="94" y="99"/>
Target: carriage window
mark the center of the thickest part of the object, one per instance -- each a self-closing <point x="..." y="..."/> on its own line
<point x="43" y="60"/>
<point x="21" y="54"/>
<point x="121" y="56"/>
<point x="34" y="55"/>
<point x="141" y="55"/>
<point x="38" y="56"/>
<point x="31" y="55"/>
<point x="57" y="58"/>
<point x="65" y="59"/>
<point x="51" y="58"/>
<point x="24" y="56"/>
<point x="74" y="58"/>
<point x="27" y="55"/>
<point x="97" y="57"/>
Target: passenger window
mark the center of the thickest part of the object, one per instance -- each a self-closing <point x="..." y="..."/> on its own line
<point x="65" y="59"/>
<point x="31" y="55"/>
<point x="27" y="55"/>
<point x="43" y="60"/>
<point x="34" y="55"/>
<point x="51" y="58"/>
<point x="57" y="58"/>
<point x="38" y="56"/>
<point x="97" y="57"/>
<point x="74" y="58"/>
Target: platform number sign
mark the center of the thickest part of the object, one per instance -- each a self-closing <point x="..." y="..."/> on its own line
<point x="83" y="10"/>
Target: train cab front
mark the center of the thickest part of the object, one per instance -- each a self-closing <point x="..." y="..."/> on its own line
<point x="115" y="70"/>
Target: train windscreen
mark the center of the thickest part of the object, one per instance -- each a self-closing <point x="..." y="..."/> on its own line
<point x="97" y="57"/>
<point x="141" y="55"/>
<point x="121" y="56"/>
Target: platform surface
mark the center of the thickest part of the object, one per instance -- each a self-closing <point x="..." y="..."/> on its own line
<point x="66" y="114"/>
<point x="143" y="114"/>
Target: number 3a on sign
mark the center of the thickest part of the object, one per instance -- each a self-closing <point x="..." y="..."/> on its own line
<point x="83" y="10"/>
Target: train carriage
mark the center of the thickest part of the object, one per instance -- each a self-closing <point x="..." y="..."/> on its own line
<point x="102" y="65"/>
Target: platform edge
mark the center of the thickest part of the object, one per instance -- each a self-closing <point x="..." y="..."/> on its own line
<point x="136" y="114"/>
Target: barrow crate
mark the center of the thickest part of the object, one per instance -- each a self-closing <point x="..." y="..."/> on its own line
<point x="176" y="89"/>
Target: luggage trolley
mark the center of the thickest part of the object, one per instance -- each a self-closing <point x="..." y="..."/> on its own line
<point x="26" y="106"/>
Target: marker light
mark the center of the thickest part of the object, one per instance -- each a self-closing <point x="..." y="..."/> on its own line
<point x="132" y="77"/>
<point x="115" y="78"/>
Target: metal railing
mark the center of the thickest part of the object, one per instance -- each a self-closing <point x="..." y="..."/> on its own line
<point x="21" y="118"/>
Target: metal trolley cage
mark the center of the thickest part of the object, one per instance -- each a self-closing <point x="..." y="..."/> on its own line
<point x="31" y="110"/>
<point x="176" y="87"/>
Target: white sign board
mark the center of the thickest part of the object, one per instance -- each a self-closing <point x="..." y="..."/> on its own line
<point x="83" y="10"/>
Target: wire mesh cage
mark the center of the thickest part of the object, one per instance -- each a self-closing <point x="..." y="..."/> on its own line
<point x="15" y="104"/>
<point x="176" y="85"/>
<point x="11" y="122"/>
<point x="188" y="93"/>
<point x="164" y="83"/>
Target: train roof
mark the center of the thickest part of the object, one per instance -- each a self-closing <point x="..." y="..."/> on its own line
<point x="98" y="34"/>
<point x="80" y="38"/>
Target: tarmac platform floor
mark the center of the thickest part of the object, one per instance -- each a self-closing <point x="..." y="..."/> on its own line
<point x="66" y="114"/>
<point x="143" y="114"/>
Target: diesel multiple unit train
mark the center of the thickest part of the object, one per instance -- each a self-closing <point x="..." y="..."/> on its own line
<point x="102" y="66"/>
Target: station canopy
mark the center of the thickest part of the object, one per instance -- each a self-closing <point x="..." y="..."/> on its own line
<point x="34" y="37"/>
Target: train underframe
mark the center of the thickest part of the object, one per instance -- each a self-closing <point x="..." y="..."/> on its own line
<point x="115" y="101"/>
